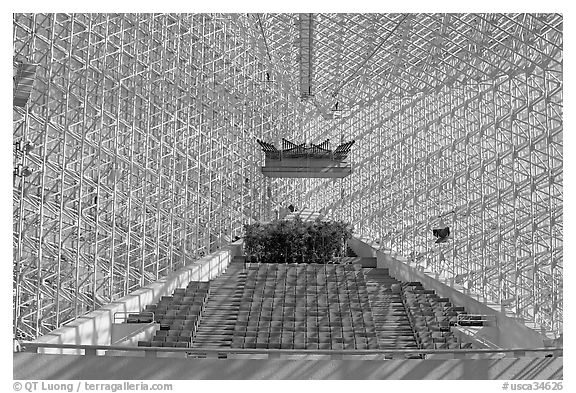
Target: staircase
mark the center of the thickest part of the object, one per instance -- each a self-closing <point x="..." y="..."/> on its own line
<point x="393" y="329"/>
<point x="218" y="319"/>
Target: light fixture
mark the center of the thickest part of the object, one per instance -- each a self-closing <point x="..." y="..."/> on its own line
<point x="22" y="171"/>
<point x="24" y="147"/>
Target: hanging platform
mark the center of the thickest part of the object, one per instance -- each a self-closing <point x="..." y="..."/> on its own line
<point x="315" y="160"/>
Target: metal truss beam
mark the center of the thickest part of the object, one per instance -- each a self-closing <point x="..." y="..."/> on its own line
<point x="143" y="126"/>
<point x="474" y="126"/>
<point x="144" y="129"/>
<point x="306" y="46"/>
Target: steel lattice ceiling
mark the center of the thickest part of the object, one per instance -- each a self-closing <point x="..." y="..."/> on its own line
<point x="145" y="127"/>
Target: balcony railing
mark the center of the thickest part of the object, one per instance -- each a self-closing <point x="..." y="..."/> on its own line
<point x="101" y="350"/>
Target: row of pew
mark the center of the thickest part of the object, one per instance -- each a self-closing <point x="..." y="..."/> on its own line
<point x="303" y="306"/>
<point x="432" y="317"/>
<point x="311" y="306"/>
<point x="178" y="316"/>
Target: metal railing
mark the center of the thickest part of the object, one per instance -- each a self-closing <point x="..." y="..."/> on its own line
<point x="471" y="335"/>
<point x="284" y="353"/>
<point x="475" y="318"/>
<point x="126" y="315"/>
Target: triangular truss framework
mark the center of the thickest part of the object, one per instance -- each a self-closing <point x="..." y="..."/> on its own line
<point x="456" y="112"/>
<point x="141" y="124"/>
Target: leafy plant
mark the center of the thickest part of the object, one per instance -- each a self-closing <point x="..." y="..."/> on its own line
<point x="296" y="241"/>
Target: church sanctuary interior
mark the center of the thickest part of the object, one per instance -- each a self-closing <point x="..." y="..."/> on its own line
<point x="288" y="196"/>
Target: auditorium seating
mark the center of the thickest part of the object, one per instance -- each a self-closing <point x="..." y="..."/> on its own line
<point x="303" y="306"/>
<point x="431" y="317"/>
<point x="177" y="315"/>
